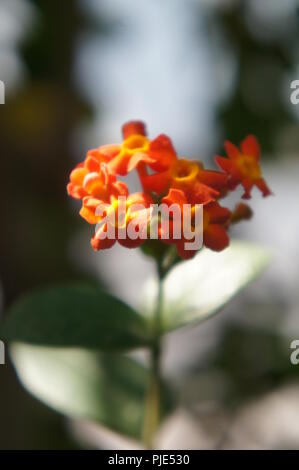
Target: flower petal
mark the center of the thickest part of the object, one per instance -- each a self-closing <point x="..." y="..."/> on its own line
<point x="215" y="237"/>
<point x="157" y="183"/>
<point x="231" y="150"/>
<point x="133" y="127"/>
<point x="262" y="185"/>
<point x="217" y="214"/>
<point x="250" y="146"/>
<point x="163" y="153"/>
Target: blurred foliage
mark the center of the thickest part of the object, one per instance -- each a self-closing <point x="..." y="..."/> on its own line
<point x="43" y="326"/>
<point x="258" y="103"/>
<point x="247" y="363"/>
<point x="256" y="361"/>
<point x="36" y="127"/>
<point x="25" y="422"/>
<point x="75" y="316"/>
<point x="108" y="388"/>
<point x="195" y="290"/>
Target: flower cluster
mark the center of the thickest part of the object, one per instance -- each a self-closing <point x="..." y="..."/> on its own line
<point x="166" y="179"/>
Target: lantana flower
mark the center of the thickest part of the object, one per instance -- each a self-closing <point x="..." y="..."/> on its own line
<point x="243" y="166"/>
<point x="165" y="179"/>
<point x="131" y="213"/>
<point x="214" y="224"/>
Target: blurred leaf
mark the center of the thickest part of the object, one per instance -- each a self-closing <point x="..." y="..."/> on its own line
<point x="194" y="290"/>
<point x="75" y="316"/>
<point x="262" y="363"/>
<point x="107" y="388"/>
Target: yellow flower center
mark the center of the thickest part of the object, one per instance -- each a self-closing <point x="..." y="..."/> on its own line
<point x="184" y="171"/>
<point x="249" y="167"/>
<point x="135" y="143"/>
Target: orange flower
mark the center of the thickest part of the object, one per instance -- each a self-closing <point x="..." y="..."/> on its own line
<point x="200" y="186"/>
<point x="215" y="223"/>
<point x="137" y="150"/>
<point x="93" y="174"/>
<point x="241" y="212"/>
<point x="166" y="179"/>
<point x="160" y="155"/>
<point x="135" y="144"/>
<point x="126" y="220"/>
<point x="243" y="166"/>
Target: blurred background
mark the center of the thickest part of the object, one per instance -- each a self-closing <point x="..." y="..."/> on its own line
<point x="200" y="71"/>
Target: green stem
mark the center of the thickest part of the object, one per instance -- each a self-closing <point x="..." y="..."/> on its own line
<point x="153" y="399"/>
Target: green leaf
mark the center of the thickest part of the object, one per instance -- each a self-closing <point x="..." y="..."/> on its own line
<point x="196" y="289"/>
<point x="75" y="316"/>
<point x="107" y="388"/>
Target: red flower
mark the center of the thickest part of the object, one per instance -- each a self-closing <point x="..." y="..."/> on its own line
<point x="201" y="186"/>
<point x="82" y="184"/>
<point x="241" y="212"/>
<point x="243" y="166"/>
<point x="127" y="221"/>
<point x="214" y="228"/>
<point x="165" y="179"/>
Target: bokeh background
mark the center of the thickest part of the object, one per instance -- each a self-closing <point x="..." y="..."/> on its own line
<point x="200" y="71"/>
